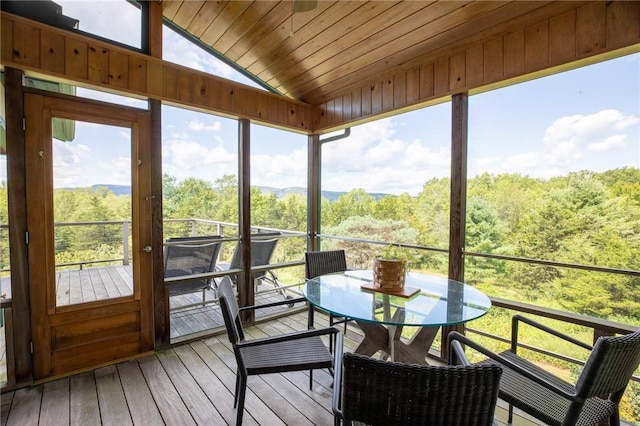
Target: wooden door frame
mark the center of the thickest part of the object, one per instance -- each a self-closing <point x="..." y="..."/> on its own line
<point x="137" y="309"/>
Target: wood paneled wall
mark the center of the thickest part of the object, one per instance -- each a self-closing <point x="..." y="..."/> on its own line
<point x="35" y="47"/>
<point x="568" y="40"/>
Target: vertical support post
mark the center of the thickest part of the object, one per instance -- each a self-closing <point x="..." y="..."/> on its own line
<point x="458" y="201"/>
<point x="152" y="44"/>
<point x="17" y="193"/>
<point x="125" y="243"/>
<point x="246" y="296"/>
<point x="314" y="164"/>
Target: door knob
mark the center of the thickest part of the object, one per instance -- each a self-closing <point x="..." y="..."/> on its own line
<point x="147" y="249"/>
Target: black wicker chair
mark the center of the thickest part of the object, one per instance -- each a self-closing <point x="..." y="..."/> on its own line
<point x="303" y="350"/>
<point x="325" y="262"/>
<point x="593" y="399"/>
<point x="189" y="256"/>
<point x="379" y="392"/>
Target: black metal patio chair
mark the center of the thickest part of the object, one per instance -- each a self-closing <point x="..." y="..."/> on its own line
<point x="378" y="392"/>
<point x="325" y="262"/>
<point x="188" y="256"/>
<point x="594" y="397"/>
<point x="302" y="350"/>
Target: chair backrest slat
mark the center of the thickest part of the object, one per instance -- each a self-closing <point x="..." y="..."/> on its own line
<point x="324" y="262"/>
<point x="610" y="365"/>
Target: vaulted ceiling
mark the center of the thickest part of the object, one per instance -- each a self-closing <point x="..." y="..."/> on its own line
<point x="315" y="55"/>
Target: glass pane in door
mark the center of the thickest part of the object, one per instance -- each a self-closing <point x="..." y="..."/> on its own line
<point x="92" y="181"/>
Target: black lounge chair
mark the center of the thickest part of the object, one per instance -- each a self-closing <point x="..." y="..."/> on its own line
<point x="262" y="247"/>
<point x="189" y="256"/>
<point x="380" y="392"/>
<point x="592" y="400"/>
<point x="302" y="350"/>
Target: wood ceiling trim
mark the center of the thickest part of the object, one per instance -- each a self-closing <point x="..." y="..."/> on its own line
<point x="223" y="20"/>
<point x="360" y="25"/>
<point x="276" y="17"/>
<point x="170" y="8"/>
<point x="187" y="12"/>
<point x="250" y="18"/>
<point x="352" y="60"/>
<point x="204" y="16"/>
<point x="308" y="25"/>
<point x="495" y="22"/>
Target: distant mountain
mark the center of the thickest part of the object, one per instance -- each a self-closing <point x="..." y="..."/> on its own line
<point x="329" y="195"/>
<point x="116" y="189"/>
<point x="280" y="192"/>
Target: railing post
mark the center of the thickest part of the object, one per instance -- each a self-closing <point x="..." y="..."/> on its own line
<point x="194" y="228"/>
<point x="125" y="243"/>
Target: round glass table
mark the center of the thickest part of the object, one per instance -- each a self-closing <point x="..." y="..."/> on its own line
<point x="428" y="302"/>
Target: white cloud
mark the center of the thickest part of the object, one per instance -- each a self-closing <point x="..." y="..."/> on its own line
<point x="199" y="126"/>
<point x="569" y="143"/>
<point x="280" y="171"/>
<point x="377" y="161"/>
<point x="611" y="143"/>
<point x="118" y="170"/>
<point x="69" y="163"/>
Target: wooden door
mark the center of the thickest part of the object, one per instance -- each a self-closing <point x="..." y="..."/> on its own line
<point x="86" y="314"/>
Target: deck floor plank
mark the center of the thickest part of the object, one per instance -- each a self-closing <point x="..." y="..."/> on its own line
<point x="138" y="395"/>
<point x="113" y="404"/>
<point x="255" y="409"/>
<point x="5" y="405"/>
<point x="168" y="400"/>
<point x="25" y="407"/>
<point x="55" y="403"/>
<point x="83" y="400"/>
<point x="190" y="391"/>
<point x="108" y="289"/>
<point x="215" y="390"/>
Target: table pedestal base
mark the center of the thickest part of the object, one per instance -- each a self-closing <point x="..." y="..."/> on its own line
<point x="380" y="338"/>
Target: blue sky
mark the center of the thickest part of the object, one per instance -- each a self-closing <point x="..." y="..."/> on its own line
<point x="582" y="119"/>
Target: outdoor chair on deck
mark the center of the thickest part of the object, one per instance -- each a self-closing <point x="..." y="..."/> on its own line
<point x="302" y="350"/>
<point x="189" y="256"/>
<point x="325" y="262"/>
<point x="592" y="400"/>
<point x="379" y="392"/>
<point x="262" y="247"/>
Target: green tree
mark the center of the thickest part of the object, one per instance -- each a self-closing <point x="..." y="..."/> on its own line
<point x="366" y="227"/>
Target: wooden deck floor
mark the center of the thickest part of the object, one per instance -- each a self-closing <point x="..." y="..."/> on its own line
<point x="188" y="384"/>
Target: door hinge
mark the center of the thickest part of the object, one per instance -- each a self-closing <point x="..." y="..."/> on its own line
<point x="26" y="237"/>
<point x="31" y="346"/>
<point x="24" y="124"/>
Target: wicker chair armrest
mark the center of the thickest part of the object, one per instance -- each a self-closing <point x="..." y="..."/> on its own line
<point x="336" y="400"/>
<point x="516" y="319"/>
<point x="455" y="336"/>
<point x="270" y="305"/>
<point x="289" y="336"/>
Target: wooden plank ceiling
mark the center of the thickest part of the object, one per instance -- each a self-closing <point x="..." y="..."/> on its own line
<point x="315" y="55"/>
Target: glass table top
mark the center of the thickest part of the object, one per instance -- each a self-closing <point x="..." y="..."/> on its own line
<point x="440" y="301"/>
